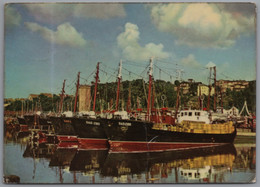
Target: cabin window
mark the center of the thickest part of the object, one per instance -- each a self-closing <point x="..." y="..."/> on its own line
<point x="182" y="114"/>
<point x="190" y="113"/>
<point x="198" y="113"/>
<point x="185" y="114"/>
<point x="190" y="174"/>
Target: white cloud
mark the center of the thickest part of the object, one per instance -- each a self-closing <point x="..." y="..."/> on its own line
<point x="210" y="64"/>
<point x="59" y="12"/>
<point x="132" y="50"/>
<point x="65" y="34"/>
<point x="203" y="24"/>
<point x="12" y="17"/>
<point x="190" y="61"/>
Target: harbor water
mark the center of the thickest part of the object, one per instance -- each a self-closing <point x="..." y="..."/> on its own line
<point x="36" y="162"/>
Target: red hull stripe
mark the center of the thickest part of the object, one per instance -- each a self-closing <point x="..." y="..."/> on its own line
<point x="63" y="138"/>
<point x="92" y="143"/>
<point x="120" y="146"/>
<point x="68" y="145"/>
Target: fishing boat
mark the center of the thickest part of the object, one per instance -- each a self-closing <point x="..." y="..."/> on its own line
<point x="63" y="128"/>
<point x="88" y="128"/>
<point x="162" y="131"/>
<point x="62" y="123"/>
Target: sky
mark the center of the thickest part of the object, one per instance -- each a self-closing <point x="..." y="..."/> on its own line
<point x="47" y="43"/>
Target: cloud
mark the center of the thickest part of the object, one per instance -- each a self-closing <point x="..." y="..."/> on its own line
<point x="64" y="35"/>
<point x="59" y="12"/>
<point x="132" y="50"/>
<point x="190" y="61"/>
<point x="210" y="64"/>
<point x="12" y="17"/>
<point x="204" y="24"/>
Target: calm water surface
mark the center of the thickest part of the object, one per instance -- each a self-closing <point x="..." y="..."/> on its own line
<point x="37" y="162"/>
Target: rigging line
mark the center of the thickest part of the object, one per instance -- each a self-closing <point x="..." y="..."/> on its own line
<point x="109" y="67"/>
<point x="83" y="79"/>
<point x="145" y="91"/>
<point x="163" y="70"/>
<point x="171" y="63"/>
<point x="112" y="74"/>
<point x="135" y="65"/>
<point x="127" y="61"/>
<point x="71" y="83"/>
<point x="90" y="75"/>
<point x="145" y="69"/>
<point x="132" y="72"/>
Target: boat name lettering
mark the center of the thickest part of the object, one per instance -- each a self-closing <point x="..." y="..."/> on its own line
<point x="92" y="123"/>
<point x="124" y="123"/>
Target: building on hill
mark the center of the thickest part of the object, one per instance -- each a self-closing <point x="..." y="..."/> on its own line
<point x="189" y="86"/>
<point x="235" y="85"/>
<point x="33" y="96"/>
<point x="204" y="90"/>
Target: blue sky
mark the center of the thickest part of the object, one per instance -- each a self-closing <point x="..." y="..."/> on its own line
<point x="47" y="43"/>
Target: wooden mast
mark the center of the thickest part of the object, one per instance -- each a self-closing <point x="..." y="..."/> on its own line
<point x="150" y="88"/>
<point x="96" y="82"/>
<point x="177" y="99"/>
<point x="129" y="99"/>
<point x="119" y="76"/>
<point x="208" y="107"/>
<point x="215" y="87"/>
<point x="62" y="97"/>
<point x="76" y="95"/>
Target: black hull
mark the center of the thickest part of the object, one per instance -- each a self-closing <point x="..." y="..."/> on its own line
<point x="29" y="119"/>
<point x="141" y="131"/>
<point x="32" y="120"/>
<point x="118" y="164"/>
<point x="89" y="128"/>
<point x="21" y="121"/>
<point x="63" y="126"/>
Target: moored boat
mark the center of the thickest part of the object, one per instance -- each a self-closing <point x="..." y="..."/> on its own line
<point x="160" y="131"/>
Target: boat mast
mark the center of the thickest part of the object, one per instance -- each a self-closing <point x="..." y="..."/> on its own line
<point x="96" y="82"/>
<point x="129" y="99"/>
<point x="119" y="76"/>
<point x="150" y="88"/>
<point x="62" y="97"/>
<point x="76" y="95"/>
<point x="215" y="86"/>
<point x="177" y="83"/>
<point x="208" y="107"/>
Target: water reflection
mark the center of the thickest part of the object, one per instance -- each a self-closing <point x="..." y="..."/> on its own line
<point x="72" y="164"/>
<point x="184" y="164"/>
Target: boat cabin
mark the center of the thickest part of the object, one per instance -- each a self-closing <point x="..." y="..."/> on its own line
<point x="193" y="115"/>
<point x="120" y="115"/>
<point x="88" y="114"/>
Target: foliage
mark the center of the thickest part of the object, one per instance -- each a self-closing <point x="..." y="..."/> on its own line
<point x="165" y="96"/>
